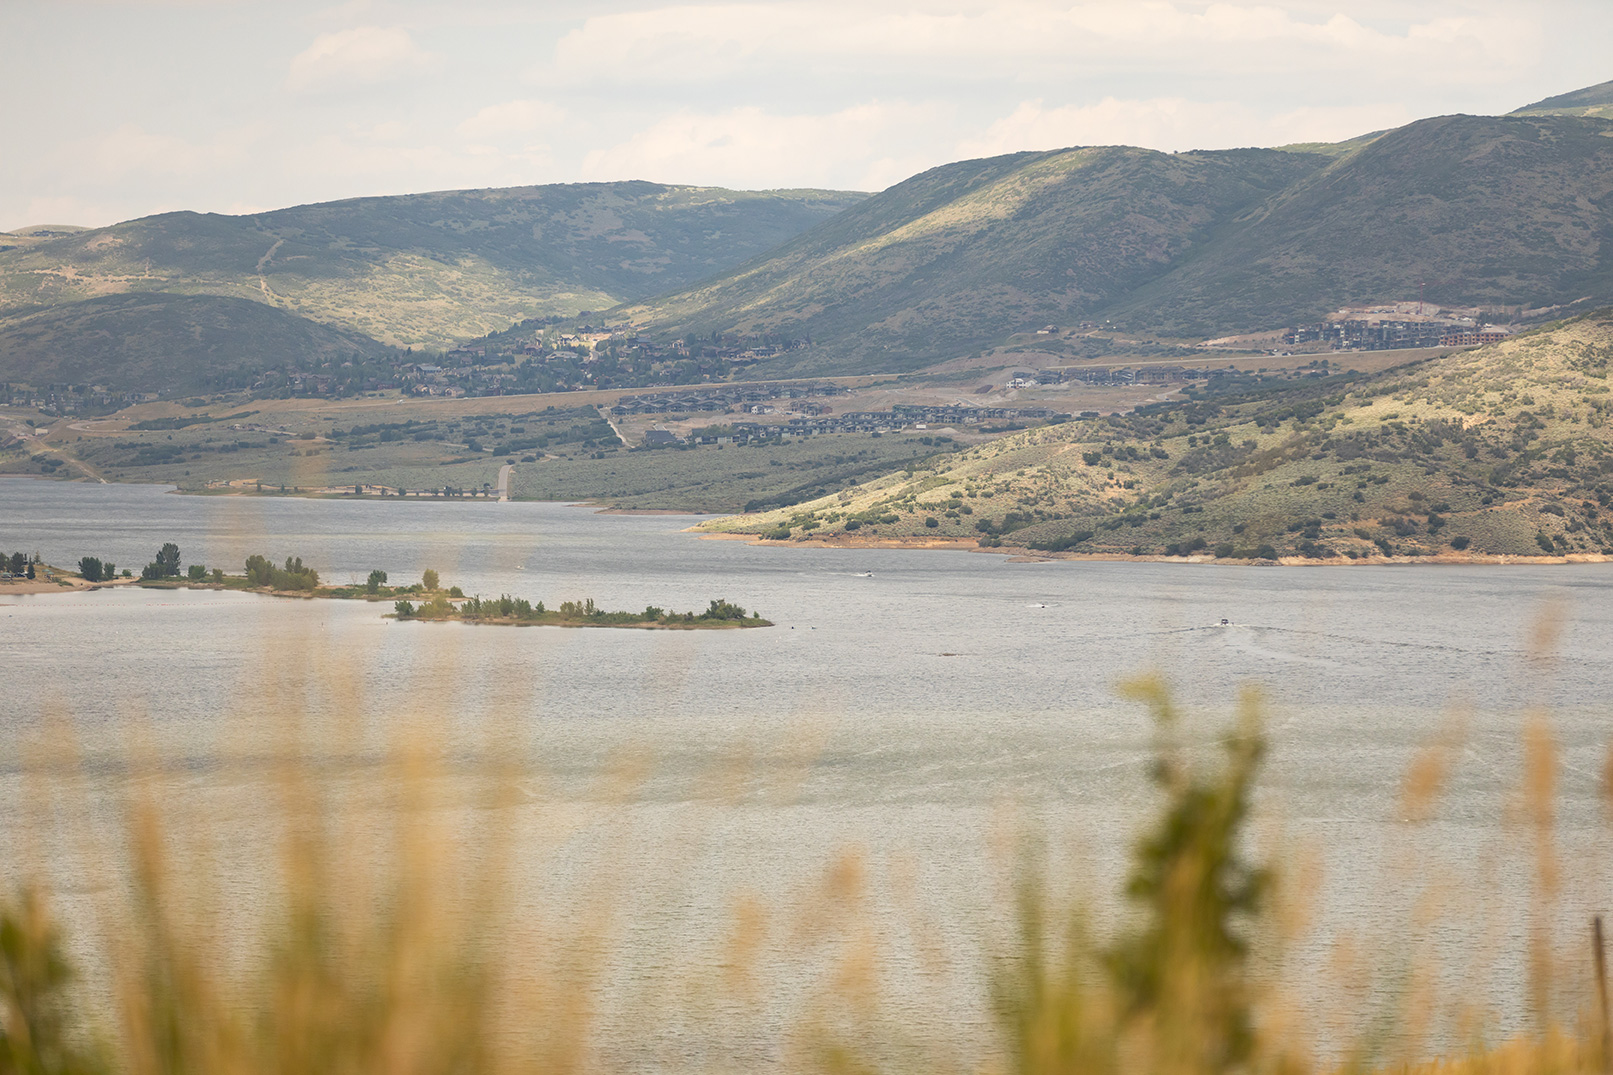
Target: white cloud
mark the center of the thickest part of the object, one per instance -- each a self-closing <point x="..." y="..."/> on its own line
<point x="510" y="118"/>
<point x="870" y="146"/>
<point x="705" y="42"/>
<point x="361" y="56"/>
<point x="131" y="150"/>
<point x="1173" y="123"/>
<point x="58" y="209"/>
<point x="842" y="93"/>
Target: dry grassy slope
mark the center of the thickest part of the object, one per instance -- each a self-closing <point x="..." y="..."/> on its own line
<point x="1506" y="211"/>
<point x="425" y="268"/>
<point x="1507" y="446"/>
<point x="961" y="255"/>
<point x="1493" y="211"/>
<point x="148" y="341"/>
<point x="1591" y="101"/>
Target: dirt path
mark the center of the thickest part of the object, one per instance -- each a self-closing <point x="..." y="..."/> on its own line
<point x="268" y="256"/>
<point x="605" y="414"/>
<point x="72" y="460"/>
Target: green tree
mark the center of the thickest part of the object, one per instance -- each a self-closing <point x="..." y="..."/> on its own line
<point x="168" y="561"/>
<point x="376" y="580"/>
<point x="1185" y="965"/>
<point x="36" y="1022"/>
<point x="19" y="563"/>
<point x="196" y="572"/>
<point x="429" y="580"/>
<point x="261" y="571"/>
<point x="90" y="568"/>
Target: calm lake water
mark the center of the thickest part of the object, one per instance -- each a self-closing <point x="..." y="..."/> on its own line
<point x="906" y="704"/>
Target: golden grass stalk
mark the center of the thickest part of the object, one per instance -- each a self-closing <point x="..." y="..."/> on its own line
<point x="387" y="939"/>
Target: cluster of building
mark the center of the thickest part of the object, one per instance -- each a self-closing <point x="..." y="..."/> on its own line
<point x="752" y="398"/>
<point x="1392" y="333"/>
<point x="900" y="416"/>
<point x="71" y="398"/>
<point x="919" y="412"/>
<point x="1121" y="375"/>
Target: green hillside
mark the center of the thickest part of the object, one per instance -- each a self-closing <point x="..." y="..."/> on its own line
<point x="1590" y="101"/>
<point x="960" y="256"/>
<point x="1503" y="450"/>
<point x="1487" y="211"/>
<point x="425" y="268"/>
<point x="183" y="343"/>
<point x="1509" y="212"/>
<point x="1333" y="149"/>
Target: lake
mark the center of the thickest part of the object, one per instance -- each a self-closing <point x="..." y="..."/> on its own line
<point x="910" y="705"/>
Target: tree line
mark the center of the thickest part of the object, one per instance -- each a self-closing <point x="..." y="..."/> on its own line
<point x="20" y="564"/>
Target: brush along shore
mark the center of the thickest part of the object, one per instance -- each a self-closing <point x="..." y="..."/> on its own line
<point x="429" y="602"/>
<point x="1502" y="454"/>
<point x="507" y="611"/>
<point x="1208" y="556"/>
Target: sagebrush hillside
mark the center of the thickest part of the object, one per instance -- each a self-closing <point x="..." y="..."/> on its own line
<point x="959" y="256"/>
<point x="1507" y="213"/>
<point x="1591" y="101"/>
<point x="184" y="343"/>
<point x="425" y="269"/>
<point x="1486" y="211"/>
<point x="1502" y="451"/>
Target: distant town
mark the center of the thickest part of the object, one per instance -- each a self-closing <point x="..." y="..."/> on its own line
<point x="1398" y="326"/>
<point x="537" y="356"/>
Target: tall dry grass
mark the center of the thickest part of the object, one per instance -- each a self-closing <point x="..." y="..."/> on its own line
<point x="381" y="932"/>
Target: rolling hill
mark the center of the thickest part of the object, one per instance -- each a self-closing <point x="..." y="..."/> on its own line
<point x="1590" y="101"/>
<point x="183" y="343"/>
<point x="1505" y="450"/>
<point x="1510" y="214"/>
<point x="1498" y="212"/>
<point x="423" y="269"/>
<point x="1492" y="212"/>
<point x="956" y="258"/>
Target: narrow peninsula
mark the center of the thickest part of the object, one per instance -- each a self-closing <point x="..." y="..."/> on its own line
<point x="427" y="600"/>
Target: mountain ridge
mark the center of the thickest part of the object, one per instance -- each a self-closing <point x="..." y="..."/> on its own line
<point x="1510" y="211"/>
<point x="426" y="269"/>
<point x="921" y="266"/>
<point x="185" y="343"/>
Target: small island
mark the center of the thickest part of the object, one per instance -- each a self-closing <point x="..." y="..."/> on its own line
<point x="519" y="612"/>
<point x="427" y="600"/>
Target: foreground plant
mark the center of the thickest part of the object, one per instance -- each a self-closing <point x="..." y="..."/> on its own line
<point x="390" y="946"/>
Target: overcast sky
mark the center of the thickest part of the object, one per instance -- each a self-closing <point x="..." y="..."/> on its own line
<point x="122" y="108"/>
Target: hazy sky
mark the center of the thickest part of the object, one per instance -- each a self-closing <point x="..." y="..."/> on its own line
<point x="121" y="108"/>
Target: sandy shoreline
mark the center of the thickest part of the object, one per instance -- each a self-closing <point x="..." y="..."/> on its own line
<point x="59" y="584"/>
<point x="1025" y="555"/>
<point x="643" y="511"/>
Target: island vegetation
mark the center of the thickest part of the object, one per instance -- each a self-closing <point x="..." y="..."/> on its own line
<point x="425" y="600"/>
<point x="505" y="609"/>
<point x="18" y="565"/>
